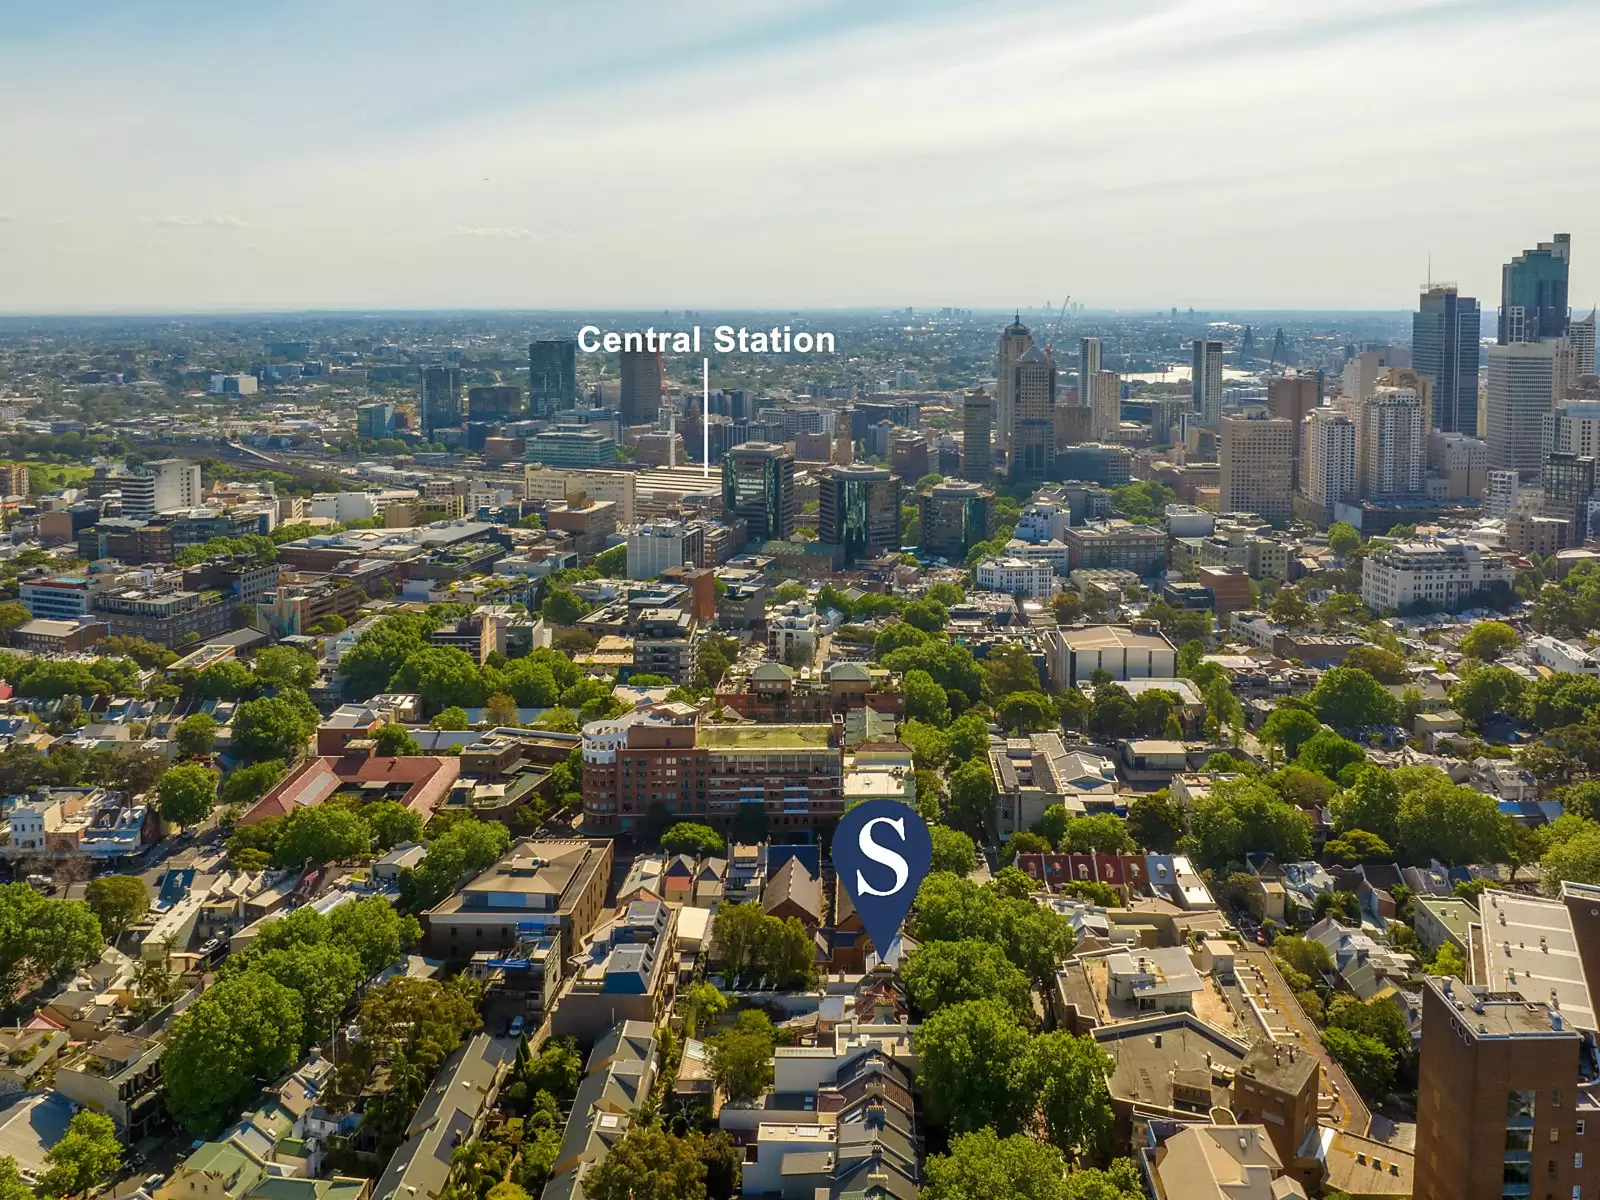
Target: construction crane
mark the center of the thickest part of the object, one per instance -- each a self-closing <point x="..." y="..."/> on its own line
<point x="1060" y="320"/>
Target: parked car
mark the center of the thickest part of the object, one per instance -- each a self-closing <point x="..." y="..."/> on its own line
<point x="516" y="1027"/>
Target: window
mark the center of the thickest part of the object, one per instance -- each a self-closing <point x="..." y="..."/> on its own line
<point x="1578" y="1129"/>
<point x="1577" y="1161"/>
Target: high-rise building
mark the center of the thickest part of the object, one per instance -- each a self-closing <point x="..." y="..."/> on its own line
<point x="956" y="516"/>
<point x="1257" y="457"/>
<point x="439" y="404"/>
<point x="1090" y="364"/>
<point x="844" y="438"/>
<point x="14" y="480"/>
<point x="1460" y="463"/>
<point x="375" y="420"/>
<point x="859" y="510"/>
<point x="494" y="402"/>
<point x="1105" y="401"/>
<point x="758" y="487"/>
<point x="1292" y="397"/>
<point x="1574" y="428"/>
<point x="1205" y="384"/>
<point x="1521" y="393"/>
<point x="1015" y="341"/>
<point x="1581" y="334"/>
<point x="1328" y="466"/>
<point x="977" y="422"/>
<point x="1533" y="293"/>
<point x="1391" y="444"/>
<point x="160" y="486"/>
<point x="1567" y="481"/>
<point x="644" y="385"/>
<point x="1033" y="422"/>
<point x="552" y="376"/>
<point x="1445" y="333"/>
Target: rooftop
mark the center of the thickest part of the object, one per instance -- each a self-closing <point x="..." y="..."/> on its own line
<point x="1530" y="948"/>
<point x="764" y="737"/>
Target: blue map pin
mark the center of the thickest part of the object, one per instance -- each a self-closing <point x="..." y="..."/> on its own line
<point x="882" y="851"/>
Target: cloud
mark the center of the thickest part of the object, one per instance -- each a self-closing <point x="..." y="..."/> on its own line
<point x="216" y="221"/>
<point x="515" y="232"/>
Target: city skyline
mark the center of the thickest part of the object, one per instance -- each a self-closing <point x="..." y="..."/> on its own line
<point x="384" y="166"/>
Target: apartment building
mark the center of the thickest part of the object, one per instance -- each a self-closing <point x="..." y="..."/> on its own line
<point x="554" y="887"/>
<point x="1257" y="466"/>
<point x="1445" y="573"/>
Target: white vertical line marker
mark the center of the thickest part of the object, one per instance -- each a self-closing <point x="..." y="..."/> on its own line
<point x="705" y="414"/>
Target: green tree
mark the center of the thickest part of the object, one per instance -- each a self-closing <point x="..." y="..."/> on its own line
<point x="453" y="718"/>
<point x="1454" y="824"/>
<point x="689" y="837"/>
<point x="1383" y="665"/>
<point x="467" y="846"/>
<point x="1574" y="859"/>
<point x="284" y="666"/>
<point x="612" y="563"/>
<point x="972" y="796"/>
<point x="1329" y="754"/>
<point x="117" y="902"/>
<point x="1309" y="958"/>
<point x="1369" y="1063"/>
<point x="1289" y="728"/>
<point x="373" y="931"/>
<point x="1012" y="882"/>
<point x="1156" y="822"/>
<point x="1449" y="961"/>
<point x="1485" y="692"/>
<point x="1348" y="698"/>
<point x="561" y="606"/>
<point x="974" y="1058"/>
<point x="324" y="976"/>
<point x="1026" y="712"/>
<point x="271" y="728"/>
<point x="1112" y="713"/>
<point x="187" y="793"/>
<point x="249" y="784"/>
<point x="1156" y="708"/>
<point x="1009" y="668"/>
<point x="325" y="833"/>
<point x="1343" y="538"/>
<point x="12" y="1185"/>
<point x="1247" y="815"/>
<point x="88" y="1155"/>
<point x="395" y="741"/>
<point x="1067" y="1075"/>
<point x="953" y="851"/>
<point x="195" y="735"/>
<point x="648" y="1164"/>
<point x="1101" y="833"/>
<point x="984" y="1166"/>
<point x="741" y="1057"/>
<point x="939" y="974"/>
<point x="1372" y="803"/>
<point x="1488" y="640"/>
<point x="392" y="823"/>
<point x="243" y="1032"/>
<point x="1358" y="846"/>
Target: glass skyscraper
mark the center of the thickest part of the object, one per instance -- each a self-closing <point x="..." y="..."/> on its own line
<point x="1533" y="293"/>
<point x="1445" y="331"/>
<point x="552" y="376"/>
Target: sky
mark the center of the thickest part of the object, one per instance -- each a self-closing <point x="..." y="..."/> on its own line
<point x="289" y="154"/>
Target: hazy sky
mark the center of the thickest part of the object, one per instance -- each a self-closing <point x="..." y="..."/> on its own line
<point x="615" y="153"/>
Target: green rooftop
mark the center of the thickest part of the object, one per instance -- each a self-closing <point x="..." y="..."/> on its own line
<point x="764" y="737"/>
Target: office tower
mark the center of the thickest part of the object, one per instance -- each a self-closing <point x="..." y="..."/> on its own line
<point x="439" y="404"/>
<point x="844" y="438"/>
<point x="494" y="403"/>
<point x="1328" y="465"/>
<point x="1533" y="293"/>
<point x="1090" y="364"/>
<point x="1292" y="397"/>
<point x="375" y="420"/>
<point x="908" y="455"/>
<point x="858" y="510"/>
<point x="1574" y="428"/>
<point x="160" y="486"/>
<point x="1257" y="457"/>
<point x="1205" y="384"/>
<point x="1500" y="493"/>
<point x="956" y="516"/>
<point x="552" y="376"/>
<point x="1105" y="402"/>
<point x="1567" y="481"/>
<point x="758" y="487"/>
<point x="14" y="480"/>
<point x="1581" y="334"/>
<point x="977" y="422"/>
<point x="644" y="384"/>
<point x="1166" y="420"/>
<point x="1445" y="333"/>
<point x="1391" y="443"/>
<point x="1521" y="392"/>
<point x="1033" y="422"/>
<point x="1460" y="462"/>
<point x="1015" y="341"/>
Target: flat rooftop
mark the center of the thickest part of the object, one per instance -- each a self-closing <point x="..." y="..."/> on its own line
<point x="1529" y="947"/>
<point x="764" y="737"/>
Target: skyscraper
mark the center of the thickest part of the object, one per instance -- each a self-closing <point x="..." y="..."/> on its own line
<point x="552" y="376"/>
<point x="1015" y="341"/>
<point x="494" y="402"/>
<point x="1391" y="443"/>
<point x="1292" y="397"/>
<point x="439" y="404"/>
<point x="1205" y="384"/>
<point x="1033" y="419"/>
<point x="1328" y="464"/>
<point x="956" y="516"/>
<point x="1533" y="293"/>
<point x="1521" y="392"/>
<point x="1090" y="364"/>
<point x="1256" y="462"/>
<point x="977" y="421"/>
<point x="1581" y="334"/>
<point x="160" y="486"/>
<point x="643" y="386"/>
<point x="858" y="510"/>
<point x="1445" y="332"/>
<point x="758" y="487"/>
<point x="1105" y="401"/>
